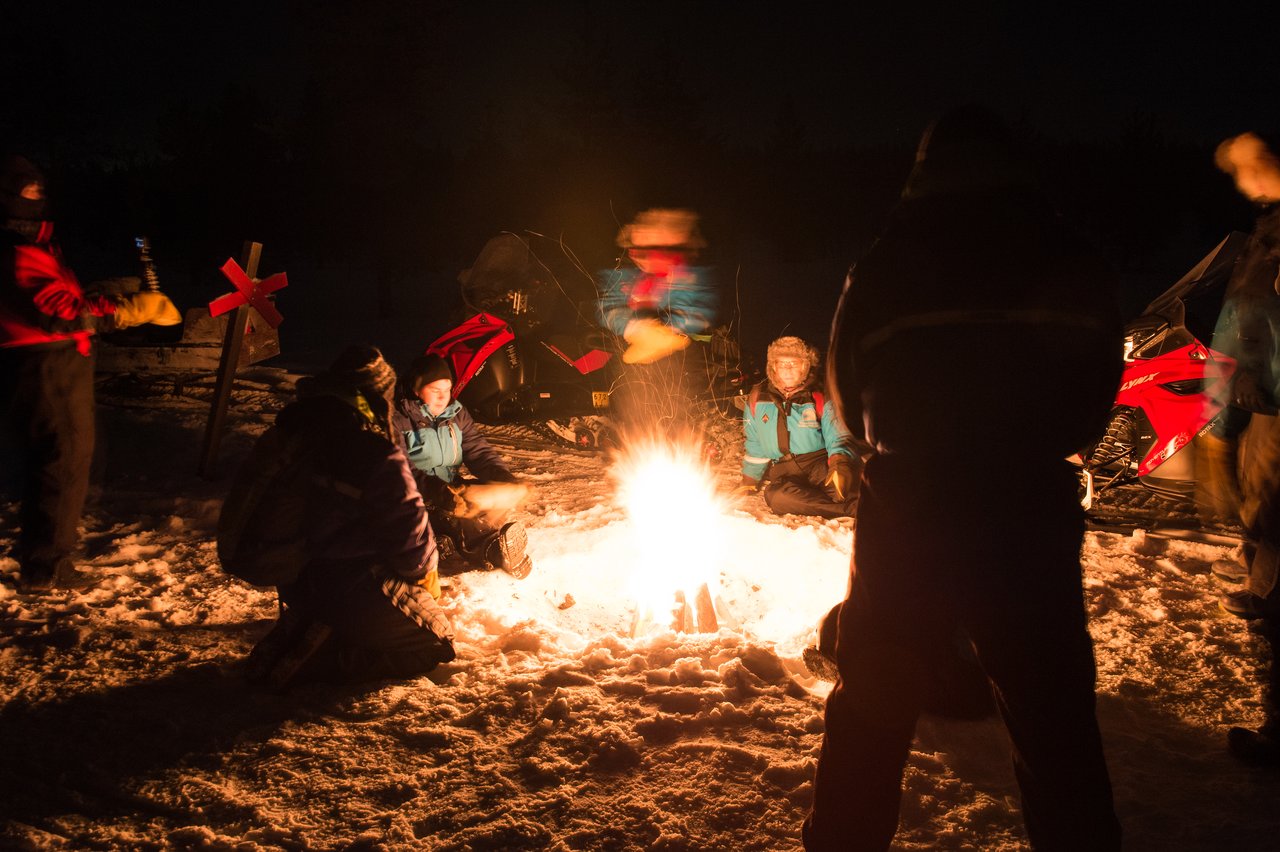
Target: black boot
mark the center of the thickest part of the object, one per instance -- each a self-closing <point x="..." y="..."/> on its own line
<point x="63" y="575"/>
<point x="506" y="550"/>
<point x="1256" y="748"/>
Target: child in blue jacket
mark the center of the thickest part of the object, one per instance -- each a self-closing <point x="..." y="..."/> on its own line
<point x="794" y="441"/>
<point x="471" y="516"/>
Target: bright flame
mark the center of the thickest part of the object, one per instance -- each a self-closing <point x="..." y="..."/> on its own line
<point x="677" y="525"/>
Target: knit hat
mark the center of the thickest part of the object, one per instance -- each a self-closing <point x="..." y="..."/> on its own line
<point x="789" y="347"/>
<point x="662" y="228"/>
<point x="362" y="367"/>
<point x="424" y="370"/>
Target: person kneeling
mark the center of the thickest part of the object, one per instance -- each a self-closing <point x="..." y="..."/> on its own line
<point x="325" y="509"/>
<point x="472" y="517"/>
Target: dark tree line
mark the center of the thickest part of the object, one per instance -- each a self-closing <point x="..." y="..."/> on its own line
<point x="356" y="168"/>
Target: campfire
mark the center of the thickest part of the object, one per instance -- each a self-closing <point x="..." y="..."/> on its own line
<point x="678" y="535"/>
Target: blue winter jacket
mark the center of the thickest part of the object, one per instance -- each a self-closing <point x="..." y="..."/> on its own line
<point x="439" y="446"/>
<point x="686" y="300"/>
<point x="806" y="432"/>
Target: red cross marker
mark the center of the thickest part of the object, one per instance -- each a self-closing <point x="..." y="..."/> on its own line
<point x="249" y="292"/>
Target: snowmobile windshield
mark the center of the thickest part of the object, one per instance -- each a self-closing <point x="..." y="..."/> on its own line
<point x="527" y="289"/>
<point x="1154" y="335"/>
<point x="1195" y="301"/>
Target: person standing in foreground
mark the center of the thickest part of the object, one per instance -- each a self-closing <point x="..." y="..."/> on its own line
<point x="1249" y="331"/>
<point x="977" y="285"/>
<point x="46" y="376"/>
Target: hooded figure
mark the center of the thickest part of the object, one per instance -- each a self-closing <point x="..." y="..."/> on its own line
<point x="362" y="602"/>
<point x="471" y="515"/>
<point x="978" y="328"/>
<point x="794" y="441"/>
<point x="46" y="376"/>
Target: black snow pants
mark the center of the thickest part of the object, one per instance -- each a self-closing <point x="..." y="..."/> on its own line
<point x="935" y="553"/>
<point x="46" y="396"/>
<point x="795" y="487"/>
<point x="372" y="637"/>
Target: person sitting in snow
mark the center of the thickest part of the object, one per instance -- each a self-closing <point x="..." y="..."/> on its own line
<point x="328" y="488"/>
<point x="794" y="440"/>
<point x="657" y="306"/>
<point x="471" y="517"/>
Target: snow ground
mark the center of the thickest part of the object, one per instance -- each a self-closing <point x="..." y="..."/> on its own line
<point x="125" y="725"/>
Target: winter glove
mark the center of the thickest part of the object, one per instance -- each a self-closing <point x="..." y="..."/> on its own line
<point x="651" y="341"/>
<point x="747" y="487"/>
<point x="146" y="306"/>
<point x="840" y="477"/>
<point x="492" y="499"/>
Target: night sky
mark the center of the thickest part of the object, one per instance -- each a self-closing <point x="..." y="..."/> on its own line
<point x="397" y="136"/>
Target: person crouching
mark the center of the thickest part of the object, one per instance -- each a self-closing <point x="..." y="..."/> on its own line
<point x="326" y="509"/>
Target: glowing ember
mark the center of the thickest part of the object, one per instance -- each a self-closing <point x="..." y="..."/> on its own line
<point x="677" y="525"/>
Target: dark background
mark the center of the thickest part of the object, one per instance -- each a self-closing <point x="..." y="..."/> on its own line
<point x="374" y="147"/>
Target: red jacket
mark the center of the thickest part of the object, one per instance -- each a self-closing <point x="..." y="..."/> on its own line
<point x="40" y="299"/>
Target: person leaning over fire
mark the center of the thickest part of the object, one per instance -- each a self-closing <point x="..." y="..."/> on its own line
<point x="46" y="375"/>
<point x="794" y="440"/>
<point x="471" y="517"/>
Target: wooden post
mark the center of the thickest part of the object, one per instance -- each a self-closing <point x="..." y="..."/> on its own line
<point x="227" y="368"/>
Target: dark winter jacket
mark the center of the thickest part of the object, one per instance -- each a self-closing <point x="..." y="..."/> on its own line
<point x="363" y="507"/>
<point x="979" y="328"/>
<point x="808" y="430"/>
<point x="1249" y="327"/>
<point x="41" y="302"/>
<point x="439" y="446"/>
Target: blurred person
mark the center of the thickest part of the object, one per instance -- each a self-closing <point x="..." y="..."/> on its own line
<point x="978" y="328"/>
<point x="327" y="500"/>
<point x="471" y="515"/>
<point x="794" y="441"/>
<point x="1248" y="438"/>
<point x="46" y="376"/>
<point x="657" y="306"/>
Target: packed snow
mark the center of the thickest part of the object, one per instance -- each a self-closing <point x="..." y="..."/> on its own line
<point x="574" y="718"/>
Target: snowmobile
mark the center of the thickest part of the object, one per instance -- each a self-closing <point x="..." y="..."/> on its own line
<point x="1173" y="388"/>
<point x="531" y="350"/>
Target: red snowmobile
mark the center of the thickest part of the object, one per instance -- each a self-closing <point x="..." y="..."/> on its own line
<point x="531" y="348"/>
<point x="1174" y="386"/>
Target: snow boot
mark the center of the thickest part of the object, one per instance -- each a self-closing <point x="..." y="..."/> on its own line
<point x="1230" y="570"/>
<point x="506" y="550"/>
<point x="1243" y="604"/>
<point x="819" y="664"/>
<point x="1256" y="748"/>
<point x="452" y="559"/>
<point x="289" y="652"/>
<point x="271" y="648"/>
<point x="820" y="659"/>
<point x="62" y="576"/>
